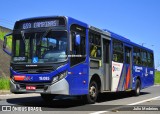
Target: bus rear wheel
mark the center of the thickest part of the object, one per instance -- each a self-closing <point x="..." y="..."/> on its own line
<point x="93" y="93"/>
<point x="137" y="90"/>
<point x="47" y="97"/>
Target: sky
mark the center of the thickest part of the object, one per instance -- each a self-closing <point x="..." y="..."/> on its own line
<point x="137" y="20"/>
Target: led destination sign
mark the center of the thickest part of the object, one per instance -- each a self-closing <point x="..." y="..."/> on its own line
<point x="40" y="23"/>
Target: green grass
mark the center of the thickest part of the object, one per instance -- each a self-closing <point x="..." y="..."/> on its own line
<point x="157" y="77"/>
<point x="4" y="83"/>
<point x="2" y="35"/>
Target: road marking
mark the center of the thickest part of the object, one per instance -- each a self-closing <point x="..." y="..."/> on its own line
<point x="144" y="101"/>
<point x="100" y="112"/>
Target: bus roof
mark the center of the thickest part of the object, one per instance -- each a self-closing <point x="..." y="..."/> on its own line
<point x="40" y="17"/>
<point x="127" y="41"/>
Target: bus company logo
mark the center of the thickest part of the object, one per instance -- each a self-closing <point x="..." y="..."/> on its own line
<point x="138" y="69"/>
<point x="28" y="78"/>
<point x="114" y="68"/>
<point x="6" y="108"/>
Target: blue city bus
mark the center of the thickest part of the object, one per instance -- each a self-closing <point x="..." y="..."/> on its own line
<point x="59" y="55"/>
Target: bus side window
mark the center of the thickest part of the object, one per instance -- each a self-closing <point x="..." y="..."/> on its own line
<point x="93" y="51"/>
<point x="115" y="57"/>
<point x="144" y="57"/>
<point x="78" y="39"/>
<point x="134" y="59"/>
<point x="136" y="56"/>
<point x="95" y="45"/>
<point x="138" y="61"/>
<point x="150" y="59"/>
<point x="118" y="54"/>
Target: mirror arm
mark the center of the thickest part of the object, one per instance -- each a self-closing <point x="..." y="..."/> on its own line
<point x="10" y="33"/>
<point x="10" y="54"/>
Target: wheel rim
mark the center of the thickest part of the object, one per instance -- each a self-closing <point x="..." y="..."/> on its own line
<point x="92" y="92"/>
<point x="138" y="89"/>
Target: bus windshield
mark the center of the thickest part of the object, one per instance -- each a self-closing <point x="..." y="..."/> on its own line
<point x="51" y="47"/>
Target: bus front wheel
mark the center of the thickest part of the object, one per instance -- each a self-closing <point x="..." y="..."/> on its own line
<point x="93" y="93"/>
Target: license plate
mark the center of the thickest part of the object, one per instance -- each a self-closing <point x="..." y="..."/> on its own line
<point x="30" y="87"/>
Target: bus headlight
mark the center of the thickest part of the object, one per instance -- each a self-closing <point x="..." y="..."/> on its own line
<point x="59" y="77"/>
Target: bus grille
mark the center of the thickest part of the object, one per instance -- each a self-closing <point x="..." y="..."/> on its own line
<point x="33" y="70"/>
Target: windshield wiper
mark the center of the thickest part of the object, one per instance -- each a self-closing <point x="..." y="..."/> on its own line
<point x="44" y="35"/>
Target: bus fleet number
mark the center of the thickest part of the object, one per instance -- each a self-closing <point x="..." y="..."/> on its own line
<point x="44" y="78"/>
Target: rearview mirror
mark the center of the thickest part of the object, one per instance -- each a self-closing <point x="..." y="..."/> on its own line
<point x="5" y="48"/>
<point x="77" y="39"/>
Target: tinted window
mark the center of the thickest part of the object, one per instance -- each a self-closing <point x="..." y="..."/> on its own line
<point x="95" y="45"/>
<point x="144" y="57"/>
<point x="44" y="48"/>
<point x="136" y="56"/>
<point x="118" y="54"/>
<point x="78" y="39"/>
<point x="150" y="59"/>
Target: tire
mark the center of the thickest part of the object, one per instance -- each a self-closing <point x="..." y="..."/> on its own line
<point x="137" y="90"/>
<point x="48" y="97"/>
<point x="93" y="93"/>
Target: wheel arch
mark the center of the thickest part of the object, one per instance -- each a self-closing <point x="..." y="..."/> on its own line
<point x="97" y="79"/>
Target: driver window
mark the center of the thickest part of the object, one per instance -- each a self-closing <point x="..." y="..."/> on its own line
<point x="78" y="44"/>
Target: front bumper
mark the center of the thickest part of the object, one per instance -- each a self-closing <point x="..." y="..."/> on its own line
<point x="60" y="87"/>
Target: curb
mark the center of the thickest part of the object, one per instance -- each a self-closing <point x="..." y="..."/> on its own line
<point x="156" y="85"/>
<point x="2" y="92"/>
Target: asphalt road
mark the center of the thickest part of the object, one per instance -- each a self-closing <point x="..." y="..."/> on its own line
<point x="123" y="102"/>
